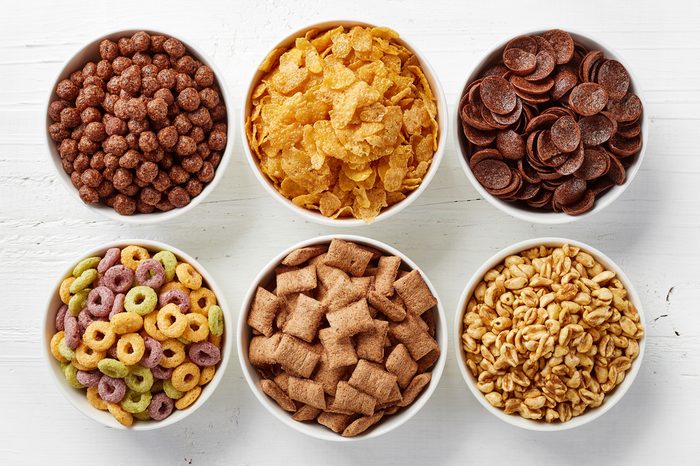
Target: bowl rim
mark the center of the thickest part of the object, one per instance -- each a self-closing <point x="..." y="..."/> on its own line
<point x="52" y="366"/>
<point x="317" y="431"/>
<point x="443" y="122"/>
<point x="534" y="216"/>
<point x="515" y="420"/>
<point x="52" y="148"/>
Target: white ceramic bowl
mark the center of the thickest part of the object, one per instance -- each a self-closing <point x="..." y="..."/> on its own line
<point x="387" y="212"/>
<point x="314" y="429"/>
<point x="611" y="399"/>
<point x="77" y="397"/>
<point x="91" y="52"/>
<point x="532" y="215"/>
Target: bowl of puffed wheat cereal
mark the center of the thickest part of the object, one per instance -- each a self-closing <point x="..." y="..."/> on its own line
<point x="550" y="334"/>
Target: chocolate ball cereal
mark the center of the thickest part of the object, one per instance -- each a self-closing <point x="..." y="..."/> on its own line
<point x="141" y="126"/>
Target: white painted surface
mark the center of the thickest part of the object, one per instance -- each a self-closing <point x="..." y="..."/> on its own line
<point x="652" y="231"/>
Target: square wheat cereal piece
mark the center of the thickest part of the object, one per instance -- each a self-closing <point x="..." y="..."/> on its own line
<point x="341" y="294"/>
<point x="301" y="255"/>
<point x="414" y="389"/>
<point x="332" y="408"/>
<point x="400" y="363"/>
<point x="393" y="398"/>
<point x="307" y="391"/>
<point x="306" y="413"/>
<point x="387" y="307"/>
<point x="329" y="376"/>
<point x="282" y="381"/>
<point x="370" y="345"/>
<point x="428" y="361"/>
<point x="284" y="269"/>
<point x="361" y="424"/>
<point x="334" y="421"/>
<point x="363" y="283"/>
<point x="296" y="281"/>
<point x="304" y="318"/>
<point x="263" y="311"/>
<point x="296" y="356"/>
<point x="262" y="349"/>
<point x="348" y="257"/>
<point x="329" y="275"/>
<point x="373" y="380"/>
<point x="415" y="293"/>
<point x="351" y="320"/>
<point x="339" y="350"/>
<point x="273" y="390"/>
<point x="413" y="336"/>
<point x="430" y="320"/>
<point x="318" y="260"/>
<point x="348" y="398"/>
<point x="385" y="276"/>
<point x="370" y="271"/>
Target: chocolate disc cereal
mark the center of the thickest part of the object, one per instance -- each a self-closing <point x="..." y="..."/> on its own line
<point x="344" y="337"/>
<point x="547" y="113"/>
<point x="142" y="127"/>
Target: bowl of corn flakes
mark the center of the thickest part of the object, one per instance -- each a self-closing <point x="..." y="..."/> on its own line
<point x="344" y="123"/>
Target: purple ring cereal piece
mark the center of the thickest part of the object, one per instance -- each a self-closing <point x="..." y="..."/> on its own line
<point x="160" y="406"/>
<point x="111" y="390"/>
<point x="152" y="354"/>
<point x="151" y="273"/>
<point x="111" y="258"/>
<point x="72" y="331"/>
<point x="84" y="320"/>
<point x="89" y="378"/>
<point x="118" y="278"/>
<point x="204" y="354"/>
<point x="161" y="373"/>
<point x="178" y="297"/>
<point x="112" y="351"/>
<point x="60" y="317"/>
<point x="99" y="301"/>
<point x="117" y="305"/>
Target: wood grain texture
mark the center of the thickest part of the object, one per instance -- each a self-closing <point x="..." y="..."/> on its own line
<point x="652" y="231"/>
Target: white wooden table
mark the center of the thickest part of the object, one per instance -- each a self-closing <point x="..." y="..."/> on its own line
<point x="652" y="231"/>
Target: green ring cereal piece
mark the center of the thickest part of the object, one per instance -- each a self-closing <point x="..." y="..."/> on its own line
<point x="142" y="416"/>
<point x="83" y="281"/>
<point x="65" y="351"/>
<point x="171" y="391"/>
<point x="135" y="402"/>
<point x="141" y="300"/>
<point x="113" y="368"/>
<point x="169" y="262"/>
<point x="216" y="320"/>
<point x="157" y="386"/>
<point x="184" y="340"/>
<point x="70" y="373"/>
<point x="78" y="301"/>
<point x="139" y="379"/>
<point x="85" y="264"/>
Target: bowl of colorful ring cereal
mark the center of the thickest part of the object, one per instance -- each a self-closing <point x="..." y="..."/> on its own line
<point x="342" y="338"/>
<point x="550" y="334"/>
<point x="344" y="123"/>
<point x="137" y="126"/>
<point x="551" y="126"/>
<point x="137" y="334"/>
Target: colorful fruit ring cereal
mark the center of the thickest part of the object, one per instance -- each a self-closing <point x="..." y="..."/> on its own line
<point x="57" y="338"/>
<point x="89" y="378"/>
<point x="204" y="354"/>
<point x="171" y="391"/>
<point x="173" y="353"/>
<point x="64" y="289"/>
<point x="72" y="331"/>
<point x="142" y="416"/>
<point x="124" y="418"/>
<point x="118" y="305"/>
<point x="98" y="335"/>
<point x="201" y="300"/>
<point x="85" y="319"/>
<point x="140" y="379"/>
<point x="188" y="276"/>
<point x="141" y="300"/>
<point x="150" y="273"/>
<point x="206" y="374"/>
<point x="153" y="353"/>
<point x="188" y="398"/>
<point x="171" y="321"/>
<point x="77" y="302"/>
<point x="169" y="262"/>
<point x="111" y="257"/>
<point x="100" y="301"/>
<point x="197" y="328"/>
<point x="83" y="281"/>
<point x="175" y="285"/>
<point x="65" y="351"/>
<point x="130" y="348"/>
<point x="151" y="327"/>
<point x="86" y="264"/>
<point x="88" y="357"/>
<point x="185" y="376"/>
<point x="161" y="406"/>
<point x="161" y="373"/>
<point x="94" y="399"/>
<point x="126" y="322"/>
<point x="118" y="278"/>
<point x="176" y="296"/>
<point x="111" y="389"/>
<point x="215" y="319"/>
<point x="132" y="255"/>
<point x="113" y="368"/>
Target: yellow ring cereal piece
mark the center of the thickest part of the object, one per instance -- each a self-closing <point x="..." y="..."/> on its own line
<point x="173" y="353"/>
<point x="151" y="327"/>
<point x="206" y="374"/>
<point x="201" y="300"/>
<point x="124" y="418"/>
<point x="188" y="276"/>
<point x="197" y="328"/>
<point x="88" y="357"/>
<point x="185" y="376"/>
<point x="55" y="340"/>
<point x="126" y="322"/>
<point x="171" y="321"/>
<point x="64" y="289"/>
<point x="95" y="400"/>
<point x="132" y="255"/>
<point x="215" y="340"/>
<point x="80" y="367"/>
<point x="99" y="335"/>
<point x="188" y="398"/>
<point x="130" y="348"/>
<point x="174" y="286"/>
